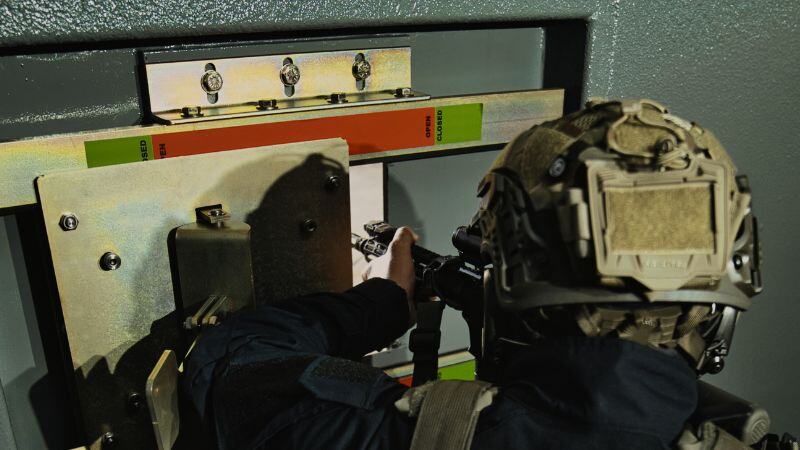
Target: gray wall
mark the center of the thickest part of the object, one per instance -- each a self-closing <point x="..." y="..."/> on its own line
<point x="731" y="65"/>
<point x="22" y="365"/>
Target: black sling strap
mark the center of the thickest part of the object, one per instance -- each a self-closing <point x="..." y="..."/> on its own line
<point x="424" y="341"/>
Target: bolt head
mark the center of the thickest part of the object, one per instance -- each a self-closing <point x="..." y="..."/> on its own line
<point x="334" y="181"/>
<point x="403" y="92"/>
<point x="135" y="401"/>
<point x="309" y="225"/>
<point x="267" y="104"/>
<point x="211" y="81"/>
<point x="362" y="70"/>
<point x="290" y="74"/>
<point x="110" y="261"/>
<point x="557" y="168"/>
<point x="68" y="222"/>
<point x="664" y="146"/>
<point x="338" y="97"/>
<point x="108" y="440"/>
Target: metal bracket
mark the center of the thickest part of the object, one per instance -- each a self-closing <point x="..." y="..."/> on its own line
<point x="214" y="267"/>
<point x="192" y="91"/>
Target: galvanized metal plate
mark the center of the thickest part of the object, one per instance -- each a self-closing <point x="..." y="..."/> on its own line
<point x="292" y="105"/>
<point x="504" y="116"/>
<point x="118" y="322"/>
<point x="174" y="85"/>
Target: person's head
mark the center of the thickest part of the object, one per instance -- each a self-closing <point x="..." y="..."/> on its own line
<point x="619" y="220"/>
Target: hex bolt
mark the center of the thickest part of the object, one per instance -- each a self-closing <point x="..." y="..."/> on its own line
<point x="68" y="222"/>
<point x="135" y="401"/>
<point x="216" y="212"/>
<point x="267" y="105"/>
<point x="309" y="225"/>
<point x="110" y="261"/>
<point x="333" y="182"/>
<point x="290" y="74"/>
<point x="403" y="92"/>
<point x="362" y="69"/>
<point x="338" y="97"/>
<point x="108" y="441"/>
<point x="211" y="81"/>
<point x="191" y="111"/>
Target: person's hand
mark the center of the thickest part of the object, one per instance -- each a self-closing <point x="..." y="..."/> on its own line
<point x="397" y="265"/>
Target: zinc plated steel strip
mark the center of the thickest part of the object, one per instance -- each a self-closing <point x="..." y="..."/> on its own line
<point x="174" y="85"/>
<point x="504" y="116"/>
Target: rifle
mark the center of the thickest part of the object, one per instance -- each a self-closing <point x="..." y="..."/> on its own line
<point x="453" y="279"/>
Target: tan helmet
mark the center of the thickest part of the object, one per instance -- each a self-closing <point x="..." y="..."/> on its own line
<point x="634" y="214"/>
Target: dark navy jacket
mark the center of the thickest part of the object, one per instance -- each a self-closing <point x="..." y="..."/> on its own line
<point x="286" y="376"/>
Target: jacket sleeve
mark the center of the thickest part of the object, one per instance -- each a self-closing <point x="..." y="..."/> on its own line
<point x="365" y="318"/>
<point x="283" y="339"/>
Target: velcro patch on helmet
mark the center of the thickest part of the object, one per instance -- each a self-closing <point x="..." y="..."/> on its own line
<point x="663" y="229"/>
<point x="668" y="220"/>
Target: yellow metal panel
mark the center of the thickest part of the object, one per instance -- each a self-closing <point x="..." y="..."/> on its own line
<point x="119" y="321"/>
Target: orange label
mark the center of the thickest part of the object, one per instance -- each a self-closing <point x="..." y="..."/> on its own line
<point x="364" y="133"/>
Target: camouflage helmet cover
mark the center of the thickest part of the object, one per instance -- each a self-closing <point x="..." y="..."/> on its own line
<point x="619" y="202"/>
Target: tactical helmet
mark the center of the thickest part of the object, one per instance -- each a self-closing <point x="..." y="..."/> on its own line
<point x="629" y="220"/>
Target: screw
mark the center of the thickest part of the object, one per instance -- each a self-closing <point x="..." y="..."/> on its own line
<point x="68" y="222"/>
<point x="338" y="97"/>
<point x="290" y="74"/>
<point x="403" y="92"/>
<point x="557" y="167"/>
<point x="334" y="181"/>
<point x="110" y="261"/>
<point x="108" y="440"/>
<point x="267" y="105"/>
<point x="309" y="225"/>
<point x="135" y="401"/>
<point x="191" y="111"/>
<point x="664" y="146"/>
<point x="216" y="212"/>
<point x="362" y="70"/>
<point x="738" y="262"/>
<point x="211" y="81"/>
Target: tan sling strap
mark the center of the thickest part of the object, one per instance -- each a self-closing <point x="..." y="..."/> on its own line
<point x="447" y="412"/>
<point x="709" y="437"/>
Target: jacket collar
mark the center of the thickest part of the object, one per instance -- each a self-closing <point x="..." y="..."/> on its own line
<point x="605" y="381"/>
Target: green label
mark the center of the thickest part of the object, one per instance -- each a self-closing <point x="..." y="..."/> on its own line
<point x="458" y="123"/>
<point x="118" y="151"/>
<point x="460" y="371"/>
